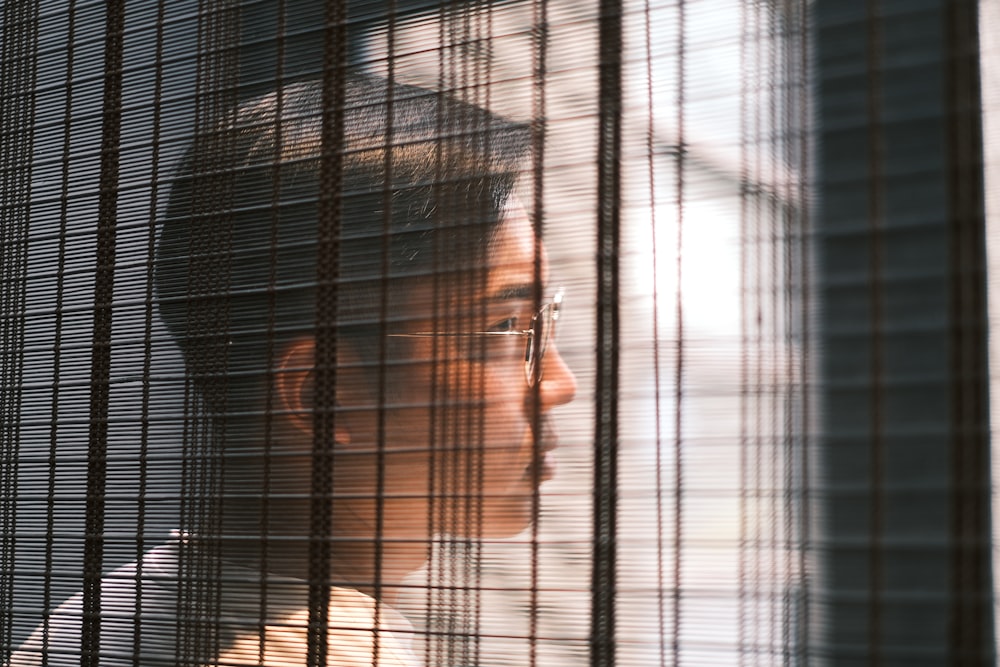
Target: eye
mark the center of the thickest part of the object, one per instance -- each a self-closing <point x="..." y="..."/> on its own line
<point x="503" y="326"/>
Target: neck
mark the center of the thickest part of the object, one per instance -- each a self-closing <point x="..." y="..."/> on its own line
<point x="359" y="558"/>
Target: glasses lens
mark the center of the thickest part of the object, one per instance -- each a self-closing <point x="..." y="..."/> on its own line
<point x="542" y="329"/>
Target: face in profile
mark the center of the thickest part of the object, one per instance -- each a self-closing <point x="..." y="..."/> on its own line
<point x="466" y="435"/>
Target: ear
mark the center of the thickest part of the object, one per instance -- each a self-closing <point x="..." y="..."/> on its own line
<point x="294" y="388"/>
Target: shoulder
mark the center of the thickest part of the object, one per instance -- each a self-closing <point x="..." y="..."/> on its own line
<point x="138" y="597"/>
<point x="360" y="633"/>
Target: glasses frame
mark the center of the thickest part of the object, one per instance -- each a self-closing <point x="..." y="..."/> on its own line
<point x="533" y="354"/>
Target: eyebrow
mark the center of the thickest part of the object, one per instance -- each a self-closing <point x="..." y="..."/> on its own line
<point x="520" y="292"/>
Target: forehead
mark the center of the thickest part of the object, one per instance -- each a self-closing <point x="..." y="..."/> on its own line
<point x="518" y="257"/>
<point x="511" y="275"/>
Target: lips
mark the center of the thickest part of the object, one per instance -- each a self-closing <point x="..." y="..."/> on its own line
<point x="543" y="465"/>
<point x="547" y="467"/>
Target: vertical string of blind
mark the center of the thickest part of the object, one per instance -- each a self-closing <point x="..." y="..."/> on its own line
<point x="457" y="557"/>
<point x="149" y="309"/>
<point x="436" y="598"/>
<point x="776" y="384"/>
<point x="383" y="358"/>
<point x="482" y="40"/>
<point x="18" y="75"/>
<point x="605" y="492"/>
<point x="791" y="173"/>
<point x="58" y="328"/>
<point x="100" y="363"/>
<point x="800" y="62"/>
<point x="440" y="602"/>
<point x="539" y="135"/>
<point x="383" y="315"/>
<point x="658" y="443"/>
<point x="270" y="401"/>
<point x="746" y="91"/>
<point x="331" y="208"/>
<point x="679" y="187"/>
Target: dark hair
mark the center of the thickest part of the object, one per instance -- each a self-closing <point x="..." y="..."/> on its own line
<point x="236" y="258"/>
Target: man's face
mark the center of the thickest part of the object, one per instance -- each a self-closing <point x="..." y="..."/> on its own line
<point x="465" y="440"/>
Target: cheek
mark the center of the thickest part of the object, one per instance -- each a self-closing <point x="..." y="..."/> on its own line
<point x="507" y="440"/>
<point x="471" y="415"/>
<point x="492" y="396"/>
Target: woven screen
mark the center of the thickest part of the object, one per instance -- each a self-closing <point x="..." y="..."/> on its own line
<point x="496" y="332"/>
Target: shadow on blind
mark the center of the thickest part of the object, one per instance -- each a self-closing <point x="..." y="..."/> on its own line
<point x="509" y="332"/>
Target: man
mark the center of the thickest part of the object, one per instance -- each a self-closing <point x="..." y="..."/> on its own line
<point x="443" y="374"/>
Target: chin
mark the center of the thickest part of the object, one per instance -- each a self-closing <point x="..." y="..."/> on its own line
<point x="506" y="532"/>
<point x="509" y="520"/>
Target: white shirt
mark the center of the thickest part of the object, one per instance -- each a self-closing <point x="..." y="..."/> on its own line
<point x="353" y="633"/>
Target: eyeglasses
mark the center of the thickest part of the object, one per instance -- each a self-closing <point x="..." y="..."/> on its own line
<point x="538" y="336"/>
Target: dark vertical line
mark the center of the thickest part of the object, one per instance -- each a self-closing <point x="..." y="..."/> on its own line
<point x="484" y="82"/>
<point x="605" y="493"/>
<point x="327" y="274"/>
<point x="100" y="361"/>
<point x="443" y="291"/>
<point x="970" y="617"/>
<point x="451" y="300"/>
<point x="224" y="103"/>
<point x="744" y="437"/>
<point x="791" y="385"/>
<point x="147" y="359"/>
<point x="470" y="421"/>
<point x="661" y="601"/>
<point x="470" y="122"/>
<point x="185" y="583"/>
<point x="18" y="76"/>
<point x="805" y="272"/>
<point x="539" y="133"/>
<point x="67" y="125"/>
<point x="263" y="548"/>
<point x="462" y="550"/>
<point x="876" y="258"/>
<point x="677" y="600"/>
<point x="455" y="298"/>
<point x="760" y="131"/>
<point x="223" y="98"/>
<point x="383" y="318"/>
<point x="777" y="232"/>
<point x="435" y="488"/>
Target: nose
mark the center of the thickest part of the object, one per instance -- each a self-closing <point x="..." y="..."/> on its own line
<point x="558" y="384"/>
